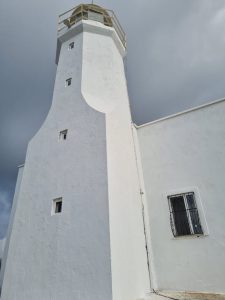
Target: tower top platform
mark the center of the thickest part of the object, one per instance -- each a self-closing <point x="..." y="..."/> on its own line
<point x="91" y="12"/>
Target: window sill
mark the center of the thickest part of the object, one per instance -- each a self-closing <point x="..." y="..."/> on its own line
<point x="191" y="236"/>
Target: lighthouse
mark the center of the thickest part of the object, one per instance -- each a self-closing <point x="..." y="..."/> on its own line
<point x="76" y="229"/>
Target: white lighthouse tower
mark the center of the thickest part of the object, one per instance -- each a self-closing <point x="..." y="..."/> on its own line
<point x="76" y="229"/>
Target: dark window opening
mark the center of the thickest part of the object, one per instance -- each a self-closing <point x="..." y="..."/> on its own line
<point x="184" y="215"/>
<point x="68" y="81"/>
<point x="63" y="134"/>
<point x="71" y="46"/>
<point x="57" y="206"/>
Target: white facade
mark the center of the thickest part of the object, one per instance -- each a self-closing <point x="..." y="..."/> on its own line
<point x="95" y="248"/>
<point x="186" y="153"/>
<point x="113" y="239"/>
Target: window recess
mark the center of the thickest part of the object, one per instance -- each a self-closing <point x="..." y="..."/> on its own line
<point x="57" y="206"/>
<point x="63" y="134"/>
<point x="71" y="46"/>
<point x="184" y="216"/>
<point x="68" y="82"/>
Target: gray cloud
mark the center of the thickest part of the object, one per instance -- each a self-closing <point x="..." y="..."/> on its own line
<point x="175" y="61"/>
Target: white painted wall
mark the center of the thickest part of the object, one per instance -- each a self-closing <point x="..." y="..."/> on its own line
<point x="104" y="88"/>
<point x="68" y="256"/>
<point x="64" y="256"/>
<point x="186" y="153"/>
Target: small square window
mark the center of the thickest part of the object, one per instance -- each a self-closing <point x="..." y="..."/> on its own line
<point x="57" y="206"/>
<point x="184" y="217"/>
<point x="63" y="134"/>
<point x="71" y="46"/>
<point x="68" y="81"/>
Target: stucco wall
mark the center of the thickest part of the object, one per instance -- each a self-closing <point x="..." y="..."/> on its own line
<point x="64" y="256"/>
<point x="181" y="154"/>
<point x="95" y="249"/>
<point x="104" y="88"/>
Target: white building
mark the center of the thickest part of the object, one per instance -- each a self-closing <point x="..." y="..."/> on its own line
<point x="106" y="210"/>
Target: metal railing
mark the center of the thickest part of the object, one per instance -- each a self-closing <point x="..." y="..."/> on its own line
<point x="91" y="12"/>
<point x="185" y="222"/>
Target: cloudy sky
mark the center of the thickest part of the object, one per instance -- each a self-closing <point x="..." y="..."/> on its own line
<point x="176" y="60"/>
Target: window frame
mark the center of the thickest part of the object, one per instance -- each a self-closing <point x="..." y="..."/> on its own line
<point x="189" y="218"/>
<point x="54" y="206"/>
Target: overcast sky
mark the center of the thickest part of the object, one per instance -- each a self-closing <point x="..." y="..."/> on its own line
<point x="176" y="60"/>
